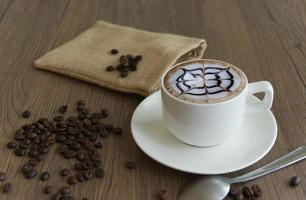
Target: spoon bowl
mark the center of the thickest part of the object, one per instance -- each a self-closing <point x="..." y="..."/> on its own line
<point x="211" y="187"/>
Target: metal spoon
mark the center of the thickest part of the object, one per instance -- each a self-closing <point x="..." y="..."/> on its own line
<point x="217" y="187"/>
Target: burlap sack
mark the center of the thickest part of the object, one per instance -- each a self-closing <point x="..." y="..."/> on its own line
<point x="87" y="56"/>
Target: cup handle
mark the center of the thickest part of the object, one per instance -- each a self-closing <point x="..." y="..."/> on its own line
<point x="266" y="103"/>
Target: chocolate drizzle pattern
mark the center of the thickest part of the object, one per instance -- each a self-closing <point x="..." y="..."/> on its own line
<point x="203" y="81"/>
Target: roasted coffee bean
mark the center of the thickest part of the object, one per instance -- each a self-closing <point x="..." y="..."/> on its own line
<point x="132" y="67"/>
<point x="163" y="194"/>
<point x="20" y="152"/>
<point x="31" y="174"/>
<point x="65" y="190"/>
<point x="110" y="68"/>
<point x="80" y="102"/>
<point x="239" y="196"/>
<point x="11" y="145"/>
<point x="138" y="58"/>
<point x="98" y="145"/>
<point x="60" y="138"/>
<point x="72" y="130"/>
<point x="19" y="136"/>
<point x="247" y="192"/>
<point x="64" y="172"/>
<point x="295" y="181"/>
<point x="32" y="153"/>
<point x="44" y="176"/>
<point x="108" y="127"/>
<point x="7" y="187"/>
<point x="48" y="189"/>
<point x="2" y="176"/>
<point x="63" y="109"/>
<point x="33" y="162"/>
<point x="67" y="142"/>
<point x="80" y="177"/>
<point x="26" y="114"/>
<point x="23" y="145"/>
<point x="31" y="135"/>
<point x="43" y="150"/>
<point x="256" y="190"/>
<point x="232" y="192"/>
<point x="58" y="118"/>
<point x="130" y="165"/>
<point x="123" y="59"/>
<point x="81" y="155"/>
<point x="114" y="51"/>
<point x="104" y="112"/>
<point x="99" y="172"/>
<point x="72" y="180"/>
<point x="26" y="168"/>
<point x="70" y="154"/>
<point x="39" y="157"/>
<point x="124" y="73"/>
<point x="74" y="146"/>
<point x="117" y="131"/>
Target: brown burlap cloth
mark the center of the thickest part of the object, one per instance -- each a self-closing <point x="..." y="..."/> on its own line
<point x="87" y="56"/>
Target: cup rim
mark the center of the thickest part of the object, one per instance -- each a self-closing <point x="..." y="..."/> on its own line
<point x="201" y="104"/>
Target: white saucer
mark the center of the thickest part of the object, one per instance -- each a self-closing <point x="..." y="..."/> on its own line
<point x="256" y="138"/>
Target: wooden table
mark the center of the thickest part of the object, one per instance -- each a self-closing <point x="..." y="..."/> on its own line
<point x="265" y="38"/>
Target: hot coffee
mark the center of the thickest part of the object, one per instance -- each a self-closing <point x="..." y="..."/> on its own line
<point x="205" y="81"/>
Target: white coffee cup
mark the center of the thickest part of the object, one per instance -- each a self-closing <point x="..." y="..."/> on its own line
<point x="203" y="125"/>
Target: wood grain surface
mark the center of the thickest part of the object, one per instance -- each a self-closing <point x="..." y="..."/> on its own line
<point x="266" y="38"/>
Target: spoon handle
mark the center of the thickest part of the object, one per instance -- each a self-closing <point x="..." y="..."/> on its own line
<point x="284" y="161"/>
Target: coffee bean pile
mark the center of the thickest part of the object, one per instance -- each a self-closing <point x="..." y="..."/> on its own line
<point x="246" y="193"/>
<point x="77" y="138"/>
<point x="127" y="63"/>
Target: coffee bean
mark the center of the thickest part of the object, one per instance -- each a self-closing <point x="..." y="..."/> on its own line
<point x="26" y="114"/>
<point x="239" y="196"/>
<point x="295" y="181"/>
<point x="124" y="73"/>
<point x="11" y="145"/>
<point x="108" y="127"/>
<point x="256" y="190"/>
<point x="43" y="150"/>
<point x="99" y="172"/>
<point x="19" y="136"/>
<point x="72" y="180"/>
<point x="123" y="59"/>
<point x="163" y="194"/>
<point x="31" y="174"/>
<point x="20" y="152"/>
<point x="65" y="190"/>
<point x="7" y="187"/>
<point x="232" y="192"/>
<point x="117" y="131"/>
<point x="2" y="176"/>
<point x="70" y="154"/>
<point x="105" y="112"/>
<point x="98" y="145"/>
<point x="48" y="189"/>
<point x="114" y="51"/>
<point x="39" y="157"/>
<point x="63" y="109"/>
<point x="80" y="177"/>
<point x="132" y="67"/>
<point x="33" y="162"/>
<point x="138" y="58"/>
<point x="80" y="102"/>
<point x="31" y="135"/>
<point x="130" y="165"/>
<point x="110" y="68"/>
<point x="26" y="168"/>
<point x="247" y="192"/>
<point x="74" y="146"/>
<point x="64" y="172"/>
<point x="44" y="176"/>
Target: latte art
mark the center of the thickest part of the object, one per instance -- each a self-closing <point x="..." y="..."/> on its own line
<point x="206" y="82"/>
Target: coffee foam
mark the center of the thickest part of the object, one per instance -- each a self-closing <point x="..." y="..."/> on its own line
<point x="206" y="81"/>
